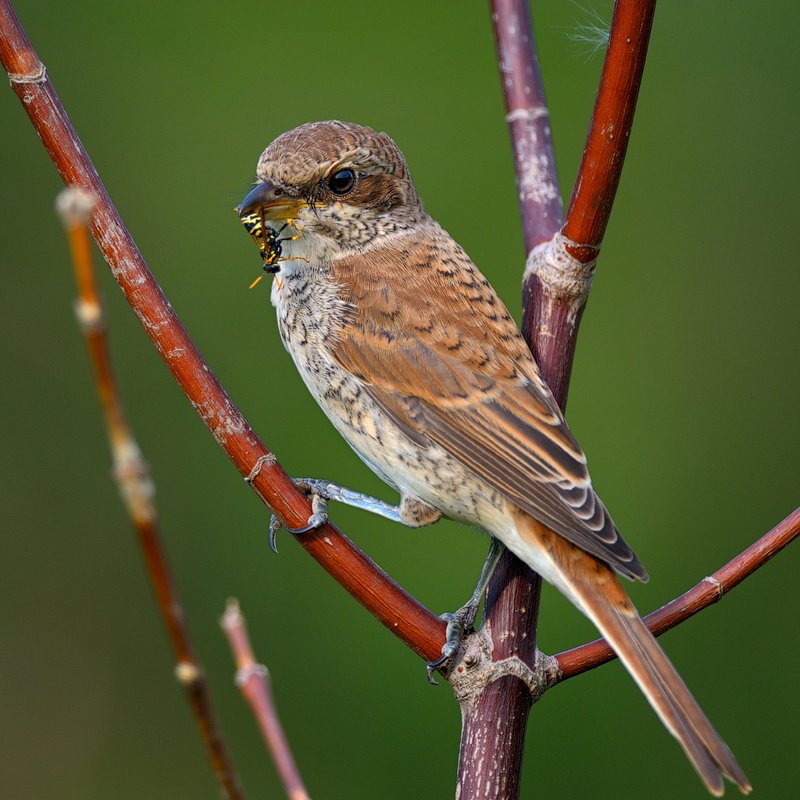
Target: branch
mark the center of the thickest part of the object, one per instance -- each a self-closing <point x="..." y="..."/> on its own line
<point x="528" y="122"/>
<point x="136" y="487"/>
<point x="253" y="679"/>
<point x="554" y="296"/>
<point x="555" y="288"/>
<point x="559" y="272"/>
<point x="499" y="713"/>
<point x="610" y="129"/>
<point x="711" y="589"/>
<point x="366" y="582"/>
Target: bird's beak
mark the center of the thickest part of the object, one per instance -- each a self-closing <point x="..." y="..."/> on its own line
<point x="272" y="201"/>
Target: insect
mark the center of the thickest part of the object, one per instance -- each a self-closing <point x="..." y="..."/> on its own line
<point x="268" y="241"/>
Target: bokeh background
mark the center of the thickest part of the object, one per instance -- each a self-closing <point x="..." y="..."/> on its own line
<point x="684" y="395"/>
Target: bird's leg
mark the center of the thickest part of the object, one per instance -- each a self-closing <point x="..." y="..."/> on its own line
<point x="411" y="512"/>
<point x="461" y="621"/>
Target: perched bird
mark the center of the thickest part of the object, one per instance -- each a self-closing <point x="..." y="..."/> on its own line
<point x="418" y="364"/>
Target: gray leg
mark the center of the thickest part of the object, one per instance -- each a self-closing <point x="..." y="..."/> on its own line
<point x="411" y="512"/>
<point x="462" y="620"/>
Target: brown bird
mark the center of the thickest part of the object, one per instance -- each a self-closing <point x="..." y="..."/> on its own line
<point x="418" y="364"/>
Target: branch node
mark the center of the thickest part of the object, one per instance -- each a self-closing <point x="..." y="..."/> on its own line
<point x="473" y="670"/>
<point x="269" y="460"/>
<point x="133" y="477"/>
<point x="561" y="274"/>
<point x="39" y="75"/>
<point x="529" y="114"/>
<point x="718" y="587"/>
<point x="74" y="206"/>
<point x="187" y="673"/>
<point x="243" y="674"/>
<point x="549" y="668"/>
<point x="89" y="315"/>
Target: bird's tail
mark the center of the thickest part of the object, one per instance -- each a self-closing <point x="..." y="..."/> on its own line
<point x="597" y="590"/>
<point x="667" y="693"/>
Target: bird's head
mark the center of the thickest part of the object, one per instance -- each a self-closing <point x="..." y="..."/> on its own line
<point x="343" y="185"/>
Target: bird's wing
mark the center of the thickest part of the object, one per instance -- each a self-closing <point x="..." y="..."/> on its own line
<point x="433" y="345"/>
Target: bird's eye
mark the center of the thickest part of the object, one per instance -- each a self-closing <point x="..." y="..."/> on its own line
<point x="342" y="182"/>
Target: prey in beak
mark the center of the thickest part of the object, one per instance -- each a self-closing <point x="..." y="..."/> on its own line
<point x="264" y="203"/>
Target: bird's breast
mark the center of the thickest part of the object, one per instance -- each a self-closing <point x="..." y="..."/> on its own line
<point x="308" y="306"/>
<point x="310" y="311"/>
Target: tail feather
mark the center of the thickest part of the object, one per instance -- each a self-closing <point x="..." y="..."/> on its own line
<point x="668" y="695"/>
<point x="596" y="589"/>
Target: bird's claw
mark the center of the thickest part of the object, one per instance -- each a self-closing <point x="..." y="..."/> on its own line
<point x="314" y="521"/>
<point x="432" y="666"/>
<point x="319" y="513"/>
<point x="459" y="624"/>
<point x="274" y="526"/>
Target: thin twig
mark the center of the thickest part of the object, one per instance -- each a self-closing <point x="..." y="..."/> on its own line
<point x="711" y="589"/>
<point x="137" y="490"/>
<point x="253" y="679"/>
<point x="404" y="616"/>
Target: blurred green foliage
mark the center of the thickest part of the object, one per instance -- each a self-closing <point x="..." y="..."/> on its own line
<point x="684" y="395"/>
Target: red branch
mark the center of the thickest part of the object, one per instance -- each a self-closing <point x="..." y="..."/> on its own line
<point x="253" y="680"/>
<point x="397" y="610"/>
<point x="604" y="153"/>
<point x="559" y="272"/>
<point x="588" y="656"/>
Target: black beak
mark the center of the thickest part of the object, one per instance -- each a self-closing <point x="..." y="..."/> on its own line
<point x="260" y="196"/>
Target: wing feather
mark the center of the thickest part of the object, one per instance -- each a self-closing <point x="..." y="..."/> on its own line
<point x="459" y="374"/>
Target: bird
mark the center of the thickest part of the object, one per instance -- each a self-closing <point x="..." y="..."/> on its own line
<point x="418" y="364"/>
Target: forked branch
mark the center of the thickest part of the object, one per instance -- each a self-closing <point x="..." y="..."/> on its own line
<point x="559" y="272"/>
<point x="555" y="290"/>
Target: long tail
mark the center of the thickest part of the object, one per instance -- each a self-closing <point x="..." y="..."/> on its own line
<point x="597" y="590"/>
<point x="667" y="693"/>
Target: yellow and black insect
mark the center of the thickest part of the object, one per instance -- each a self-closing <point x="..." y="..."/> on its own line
<point x="268" y="241"/>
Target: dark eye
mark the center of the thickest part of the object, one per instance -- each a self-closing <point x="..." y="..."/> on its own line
<point x="342" y="182"/>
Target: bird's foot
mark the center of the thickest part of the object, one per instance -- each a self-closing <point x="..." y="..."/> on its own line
<point x="319" y="493"/>
<point x="460" y="623"/>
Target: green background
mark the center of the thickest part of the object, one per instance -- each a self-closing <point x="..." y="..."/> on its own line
<point x="684" y="395"/>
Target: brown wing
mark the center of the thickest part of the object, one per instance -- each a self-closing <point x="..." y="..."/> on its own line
<point x="432" y="344"/>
